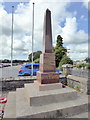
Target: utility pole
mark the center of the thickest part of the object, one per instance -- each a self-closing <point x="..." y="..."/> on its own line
<point x="12" y="37"/>
<point x="32" y="36"/>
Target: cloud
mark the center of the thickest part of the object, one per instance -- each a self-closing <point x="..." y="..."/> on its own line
<point x="85" y="3"/>
<point x="78" y="51"/>
<point x="82" y="17"/>
<point x="76" y="40"/>
<point x="23" y="27"/>
<point x="70" y="33"/>
<point x="78" y="56"/>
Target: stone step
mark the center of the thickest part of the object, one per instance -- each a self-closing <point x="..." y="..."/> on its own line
<point x="21" y="102"/>
<point x="54" y="110"/>
<point x="43" y="87"/>
<point x="38" y="98"/>
<point x="81" y="115"/>
<point x="10" y="107"/>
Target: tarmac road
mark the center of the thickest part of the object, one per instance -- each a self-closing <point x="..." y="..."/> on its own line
<point x="8" y="72"/>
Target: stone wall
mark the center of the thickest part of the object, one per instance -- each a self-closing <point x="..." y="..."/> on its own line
<point x="78" y="83"/>
<point x="13" y="83"/>
<point x="79" y="72"/>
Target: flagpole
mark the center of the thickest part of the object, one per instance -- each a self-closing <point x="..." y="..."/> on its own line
<point x="12" y="37"/>
<point x="32" y="36"/>
<point x="12" y="43"/>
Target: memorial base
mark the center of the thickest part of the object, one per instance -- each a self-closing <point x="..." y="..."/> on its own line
<point x="30" y="102"/>
<point x="47" y="77"/>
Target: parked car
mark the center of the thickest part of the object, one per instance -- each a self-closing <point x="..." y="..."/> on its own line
<point x="6" y="65"/>
<point x="1" y="65"/>
<point x="26" y="70"/>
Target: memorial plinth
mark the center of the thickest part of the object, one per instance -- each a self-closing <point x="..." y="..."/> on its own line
<point x="46" y="78"/>
<point x="47" y="71"/>
<point x="47" y="62"/>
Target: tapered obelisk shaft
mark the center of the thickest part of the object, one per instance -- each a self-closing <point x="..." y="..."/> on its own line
<point x="47" y="33"/>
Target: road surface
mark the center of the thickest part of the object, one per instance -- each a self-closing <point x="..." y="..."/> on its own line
<point x="8" y="72"/>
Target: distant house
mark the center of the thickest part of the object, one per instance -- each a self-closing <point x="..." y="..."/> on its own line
<point x="80" y="62"/>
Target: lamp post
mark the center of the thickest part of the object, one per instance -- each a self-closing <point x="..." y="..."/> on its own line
<point x="32" y="36"/>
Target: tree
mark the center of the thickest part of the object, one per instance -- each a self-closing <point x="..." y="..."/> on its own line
<point x="35" y="56"/>
<point x="87" y="59"/>
<point x="37" y="60"/>
<point x="59" y="50"/>
<point x="59" y="42"/>
<point x="88" y="66"/>
<point x="65" y="60"/>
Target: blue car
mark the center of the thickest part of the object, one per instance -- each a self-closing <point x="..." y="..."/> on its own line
<point x="26" y="70"/>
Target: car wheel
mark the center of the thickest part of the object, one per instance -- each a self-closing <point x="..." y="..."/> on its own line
<point x="26" y="74"/>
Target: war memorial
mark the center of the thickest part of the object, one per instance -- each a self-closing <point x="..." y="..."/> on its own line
<point x="46" y="98"/>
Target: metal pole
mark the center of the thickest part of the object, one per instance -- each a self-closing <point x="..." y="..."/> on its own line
<point x="12" y="38"/>
<point x="32" y="36"/>
<point x="12" y="43"/>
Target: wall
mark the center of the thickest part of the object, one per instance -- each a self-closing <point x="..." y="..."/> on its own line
<point x="78" y="83"/>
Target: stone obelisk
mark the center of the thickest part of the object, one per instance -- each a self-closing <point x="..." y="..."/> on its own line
<point x="47" y="71"/>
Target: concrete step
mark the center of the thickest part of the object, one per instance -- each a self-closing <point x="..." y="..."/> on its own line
<point x="81" y="115"/>
<point x="10" y="107"/>
<point x="38" y="98"/>
<point x="54" y="110"/>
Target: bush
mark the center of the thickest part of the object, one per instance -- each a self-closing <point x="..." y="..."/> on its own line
<point x="36" y="60"/>
<point x="81" y="65"/>
<point x="65" y="60"/>
<point x="88" y="66"/>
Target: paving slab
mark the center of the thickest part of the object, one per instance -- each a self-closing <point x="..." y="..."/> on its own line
<point x="10" y="107"/>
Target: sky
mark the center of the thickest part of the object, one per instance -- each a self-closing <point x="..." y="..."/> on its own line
<point x="69" y="19"/>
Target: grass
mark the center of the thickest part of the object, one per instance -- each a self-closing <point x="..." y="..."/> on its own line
<point x="77" y="88"/>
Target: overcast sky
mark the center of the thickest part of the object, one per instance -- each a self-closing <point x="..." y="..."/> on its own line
<point x="69" y="19"/>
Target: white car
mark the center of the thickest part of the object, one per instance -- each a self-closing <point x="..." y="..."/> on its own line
<point x="1" y="65"/>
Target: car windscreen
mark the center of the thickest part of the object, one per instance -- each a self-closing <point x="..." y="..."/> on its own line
<point x="28" y="67"/>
